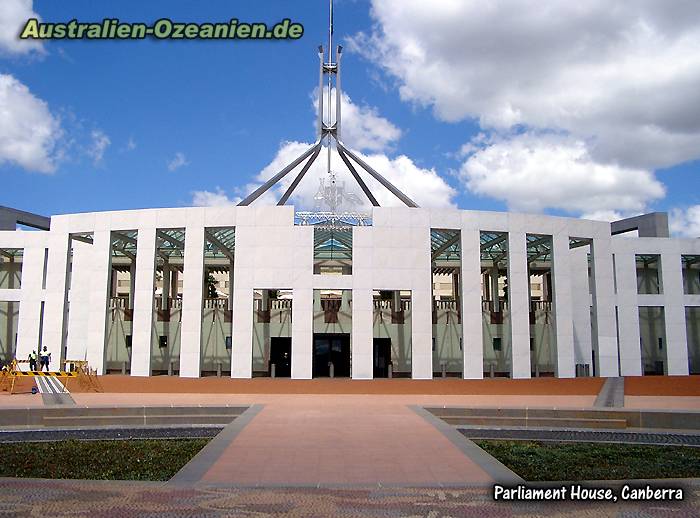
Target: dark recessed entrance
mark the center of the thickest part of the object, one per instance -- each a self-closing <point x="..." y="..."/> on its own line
<point x="382" y="357"/>
<point x="281" y="356"/>
<point x="331" y="348"/>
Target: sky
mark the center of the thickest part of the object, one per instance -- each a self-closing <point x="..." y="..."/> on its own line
<point x="582" y="109"/>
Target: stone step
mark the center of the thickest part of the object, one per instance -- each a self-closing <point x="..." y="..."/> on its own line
<point x="536" y="422"/>
<point x="115" y="420"/>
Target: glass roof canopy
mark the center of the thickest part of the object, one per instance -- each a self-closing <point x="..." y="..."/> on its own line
<point x="332" y="243"/>
<point x="219" y="243"/>
<point x="124" y="243"/>
<point x="445" y="245"/>
<point x="11" y="253"/>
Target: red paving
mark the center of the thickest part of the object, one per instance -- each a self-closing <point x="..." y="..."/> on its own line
<point x="311" y="440"/>
<point x="448" y="386"/>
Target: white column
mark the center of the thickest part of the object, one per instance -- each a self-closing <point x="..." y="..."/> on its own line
<point x="30" y="302"/>
<point x="362" y="336"/>
<point x="604" y="308"/>
<point x="563" y="313"/>
<point x="518" y="305"/>
<point x="165" y="289"/>
<point x="472" y="332"/>
<point x="628" y="314"/>
<point x="674" y="314"/>
<point x="422" y="330"/>
<point x="192" y="288"/>
<point x="76" y="342"/>
<point x="98" y="297"/>
<point x="132" y="283"/>
<point x="242" y="342"/>
<point x="143" y="303"/>
<point x="302" y="333"/>
<point x="56" y="297"/>
<point x="580" y="288"/>
<point x="493" y="276"/>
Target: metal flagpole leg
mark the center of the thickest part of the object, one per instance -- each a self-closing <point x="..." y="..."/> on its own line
<point x="272" y="181"/>
<point x="301" y="174"/>
<point x="354" y="173"/>
<point x="386" y="183"/>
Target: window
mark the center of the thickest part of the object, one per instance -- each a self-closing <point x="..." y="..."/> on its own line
<point x="496" y="343"/>
<point x="333" y="250"/>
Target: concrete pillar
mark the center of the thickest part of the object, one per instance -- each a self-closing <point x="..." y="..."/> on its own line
<point x="362" y="340"/>
<point x="56" y="296"/>
<point x="604" y="307"/>
<point x="174" y="283"/>
<point x="192" y="294"/>
<point x="674" y="313"/>
<point x="562" y="305"/>
<point x="473" y="341"/>
<point x="581" y="305"/>
<point x="302" y="333"/>
<point x="494" y="289"/>
<point x="143" y="303"/>
<point x="518" y="305"/>
<point x="30" y="302"/>
<point x="165" y="290"/>
<point x="132" y="283"/>
<point x="230" y="286"/>
<point x="628" y="314"/>
<point x="99" y="297"/>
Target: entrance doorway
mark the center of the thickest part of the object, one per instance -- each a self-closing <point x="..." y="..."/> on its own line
<point x="281" y="356"/>
<point x="382" y="357"/>
<point x="331" y="348"/>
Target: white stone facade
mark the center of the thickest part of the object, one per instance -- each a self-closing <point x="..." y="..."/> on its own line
<point x="394" y="253"/>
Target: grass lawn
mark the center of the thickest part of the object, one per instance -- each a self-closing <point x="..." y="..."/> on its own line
<point x="560" y="461"/>
<point x="157" y="459"/>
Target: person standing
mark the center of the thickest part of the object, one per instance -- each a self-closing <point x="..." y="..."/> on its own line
<point x="32" y="360"/>
<point x="45" y="358"/>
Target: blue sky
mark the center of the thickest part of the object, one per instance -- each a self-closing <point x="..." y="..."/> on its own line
<point x="483" y="112"/>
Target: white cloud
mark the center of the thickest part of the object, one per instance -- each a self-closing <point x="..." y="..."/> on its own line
<point x="99" y="144"/>
<point x="532" y="172"/>
<point x="178" y="161"/>
<point x="685" y="222"/>
<point x="29" y="132"/>
<point x="623" y="77"/>
<point x="130" y="144"/>
<point x="212" y="199"/>
<point x="362" y="128"/>
<point x="424" y="186"/>
<point x="605" y="215"/>
<point x="13" y="16"/>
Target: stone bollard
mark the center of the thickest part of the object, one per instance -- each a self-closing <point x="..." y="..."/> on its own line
<point x="444" y="369"/>
<point x="491" y="371"/>
<point x="124" y="367"/>
<point x="331" y="370"/>
<point x="218" y="369"/>
<point x="273" y="369"/>
<point x="171" y="368"/>
<point x="390" y="371"/>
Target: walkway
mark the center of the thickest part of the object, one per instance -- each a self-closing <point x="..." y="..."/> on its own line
<point x="340" y="441"/>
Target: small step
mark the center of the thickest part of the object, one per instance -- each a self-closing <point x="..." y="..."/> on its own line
<point x="182" y="419"/>
<point x="536" y="422"/>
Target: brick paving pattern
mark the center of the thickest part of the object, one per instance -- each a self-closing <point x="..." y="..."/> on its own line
<point x="48" y="498"/>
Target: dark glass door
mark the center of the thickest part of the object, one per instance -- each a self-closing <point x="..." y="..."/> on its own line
<point x="331" y="348"/>
<point x="382" y="357"/>
<point x="281" y="356"/>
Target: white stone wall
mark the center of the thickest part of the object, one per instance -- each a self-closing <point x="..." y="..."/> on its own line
<point x="392" y="254"/>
